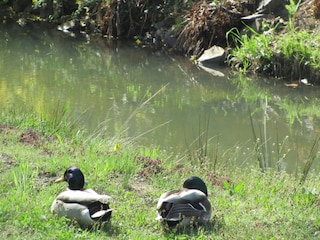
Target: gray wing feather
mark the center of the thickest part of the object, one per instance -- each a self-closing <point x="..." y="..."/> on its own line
<point x="181" y="210"/>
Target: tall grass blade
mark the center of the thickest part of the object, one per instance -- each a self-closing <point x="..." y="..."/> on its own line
<point x="265" y="116"/>
<point x="256" y="143"/>
<point x="198" y="148"/>
<point x="312" y="156"/>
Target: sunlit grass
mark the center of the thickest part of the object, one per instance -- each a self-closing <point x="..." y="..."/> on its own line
<point x="302" y="46"/>
<point x="291" y="55"/>
<point x="251" y="205"/>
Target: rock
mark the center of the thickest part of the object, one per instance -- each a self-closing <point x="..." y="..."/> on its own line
<point x="212" y="56"/>
<point x="270" y="6"/>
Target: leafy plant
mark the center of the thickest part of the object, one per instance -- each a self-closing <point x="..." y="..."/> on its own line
<point x="292" y="8"/>
<point x="233" y="188"/>
<point x="251" y="51"/>
<point x="304" y="197"/>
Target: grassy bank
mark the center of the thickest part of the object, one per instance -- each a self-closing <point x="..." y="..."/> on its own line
<point x="292" y="55"/>
<point x="287" y="50"/>
<point x="248" y="204"/>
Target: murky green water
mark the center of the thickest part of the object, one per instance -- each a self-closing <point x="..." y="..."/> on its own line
<point x="152" y="98"/>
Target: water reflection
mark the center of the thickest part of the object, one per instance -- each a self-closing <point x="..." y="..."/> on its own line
<point x="134" y="91"/>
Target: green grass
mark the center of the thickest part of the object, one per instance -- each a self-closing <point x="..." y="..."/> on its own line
<point x="253" y="205"/>
<point x="285" y="53"/>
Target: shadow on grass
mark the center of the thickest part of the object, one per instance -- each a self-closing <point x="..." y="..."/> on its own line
<point x="215" y="225"/>
<point x="108" y="228"/>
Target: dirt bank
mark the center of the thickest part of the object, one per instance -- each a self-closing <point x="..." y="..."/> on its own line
<point x="185" y="27"/>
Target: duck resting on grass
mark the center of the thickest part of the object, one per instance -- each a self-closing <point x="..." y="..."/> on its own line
<point x="188" y="206"/>
<point x="83" y="205"/>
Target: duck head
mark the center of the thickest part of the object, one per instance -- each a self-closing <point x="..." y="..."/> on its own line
<point x="74" y="177"/>
<point x="196" y="183"/>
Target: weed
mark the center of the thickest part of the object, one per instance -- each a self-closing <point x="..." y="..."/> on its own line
<point x="23" y="178"/>
<point x="233" y="188"/>
<point x="251" y="51"/>
<point x="291" y="55"/>
<point x="303" y="197"/>
<point x="312" y="156"/>
<point x="292" y="8"/>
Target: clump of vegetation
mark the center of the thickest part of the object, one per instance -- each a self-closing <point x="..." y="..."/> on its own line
<point x="207" y="25"/>
<point x="291" y="55"/>
<point x="196" y="25"/>
<point x="252" y="53"/>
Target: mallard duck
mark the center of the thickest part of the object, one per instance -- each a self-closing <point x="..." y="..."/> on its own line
<point x="83" y="205"/>
<point x="187" y="206"/>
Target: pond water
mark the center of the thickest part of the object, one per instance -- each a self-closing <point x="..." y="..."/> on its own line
<point x="153" y="99"/>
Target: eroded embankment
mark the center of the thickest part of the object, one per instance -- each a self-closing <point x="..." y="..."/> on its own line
<point x="189" y="27"/>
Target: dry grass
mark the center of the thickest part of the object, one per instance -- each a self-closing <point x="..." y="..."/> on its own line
<point x="207" y="25"/>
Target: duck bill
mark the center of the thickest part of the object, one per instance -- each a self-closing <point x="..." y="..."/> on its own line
<point x="61" y="179"/>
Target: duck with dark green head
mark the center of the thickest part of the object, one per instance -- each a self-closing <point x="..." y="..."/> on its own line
<point x="186" y="206"/>
<point x="85" y="206"/>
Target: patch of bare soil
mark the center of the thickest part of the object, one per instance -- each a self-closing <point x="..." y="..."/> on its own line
<point x="30" y="137"/>
<point x="7" y="162"/>
<point x="140" y="186"/>
<point x="308" y="16"/>
<point x="5" y="128"/>
<point x="218" y="180"/>
<point x="45" y="178"/>
<point x="150" y="166"/>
